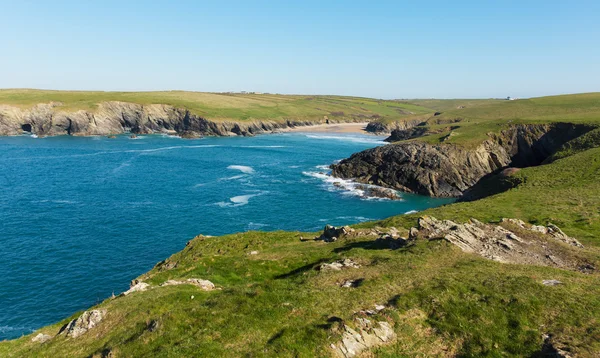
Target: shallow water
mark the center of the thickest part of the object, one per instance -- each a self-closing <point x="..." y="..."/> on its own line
<point x="81" y="217"/>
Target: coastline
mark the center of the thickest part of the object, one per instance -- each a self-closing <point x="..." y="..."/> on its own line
<point x="350" y="127"/>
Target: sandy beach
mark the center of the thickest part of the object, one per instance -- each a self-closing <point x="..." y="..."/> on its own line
<point x="332" y="128"/>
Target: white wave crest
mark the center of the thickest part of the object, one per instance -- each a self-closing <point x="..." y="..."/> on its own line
<point x="242" y="168"/>
<point x="237" y="201"/>
<point x="411" y="212"/>
<point x="346" y="186"/>
<point x="233" y="177"/>
<point x="168" y="148"/>
<point x="263" y="146"/>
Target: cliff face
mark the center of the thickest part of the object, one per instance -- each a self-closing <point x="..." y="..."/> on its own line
<point x="49" y="119"/>
<point x="447" y="170"/>
<point x="381" y="128"/>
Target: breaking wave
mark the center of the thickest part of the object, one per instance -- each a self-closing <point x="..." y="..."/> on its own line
<point x="242" y="168"/>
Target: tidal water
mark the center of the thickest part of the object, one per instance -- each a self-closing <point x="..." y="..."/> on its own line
<point x="81" y="217"/>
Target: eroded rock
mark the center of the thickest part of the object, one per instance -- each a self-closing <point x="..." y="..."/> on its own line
<point x="85" y="322"/>
<point x="332" y="233"/>
<point x="367" y="334"/>
<point x="521" y="244"/>
<point x="41" y="338"/>
<point x="551" y="230"/>
<point x="203" y="284"/>
<point x="339" y="265"/>
<point x="136" y="286"/>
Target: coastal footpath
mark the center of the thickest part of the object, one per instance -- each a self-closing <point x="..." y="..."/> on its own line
<point x="513" y="271"/>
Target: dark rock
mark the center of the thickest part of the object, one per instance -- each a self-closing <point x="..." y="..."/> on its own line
<point x="447" y="170"/>
<point x="404" y="134"/>
<point x="332" y="233"/>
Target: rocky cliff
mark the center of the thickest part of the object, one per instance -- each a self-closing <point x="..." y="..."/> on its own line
<point x="382" y="128"/>
<point x="447" y="170"/>
<point x="48" y="119"/>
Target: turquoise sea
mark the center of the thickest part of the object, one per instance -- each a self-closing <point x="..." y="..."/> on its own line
<point x="81" y="217"/>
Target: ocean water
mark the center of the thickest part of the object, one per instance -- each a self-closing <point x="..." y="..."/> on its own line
<point x="81" y="217"/>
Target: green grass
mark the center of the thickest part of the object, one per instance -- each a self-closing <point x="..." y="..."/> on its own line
<point x="443" y="301"/>
<point x="225" y="106"/>
<point x="481" y="117"/>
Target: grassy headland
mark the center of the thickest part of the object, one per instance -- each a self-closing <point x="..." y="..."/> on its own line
<point x="441" y="301"/>
<point x="235" y="107"/>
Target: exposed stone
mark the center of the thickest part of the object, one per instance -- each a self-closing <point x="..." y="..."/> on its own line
<point x="447" y="170"/>
<point x="404" y="134"/>
<point x="41" y="338"/>
<point x="332" y="233"/>
<point x="85" y="322"/>
<point x="373" y="191"/>
<point x="153" y="325"/>
<point x="114" y="117"/>
<point x="553" y="349"/>
<point x="203" y="284"/>
<point x="137" y="287"/>
<point x="351" y="283"/>
<point x="551" y="230"/>
<point x="500" y="244"/>
<point x="551" y="282"/>
<point x="339" y="265"/>
<point x="368" y="334"/>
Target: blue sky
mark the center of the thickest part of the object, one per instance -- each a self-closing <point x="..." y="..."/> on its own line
<point x="385" y="49"/>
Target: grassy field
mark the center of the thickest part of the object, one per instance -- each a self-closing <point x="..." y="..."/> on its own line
<point x="441" y="301"/>
<point x="227" y="106"/>
<point x="479" y="118"/>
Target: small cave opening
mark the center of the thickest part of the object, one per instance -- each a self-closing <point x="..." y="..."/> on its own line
<point x="26" y="127"/>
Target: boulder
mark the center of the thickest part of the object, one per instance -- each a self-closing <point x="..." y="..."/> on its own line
<point x="373" y="191"/>
<point x="41" y="338"/>
<point x="551" y="282"/>
<point x="367" y="334"/>
<point x="137" y="286"/>
<point x="332" y="233"/>
<point x="85" y="322"/>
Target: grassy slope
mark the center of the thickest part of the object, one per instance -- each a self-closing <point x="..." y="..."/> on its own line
<point x="441" y="299"/>
<point x="480" y="118"/>
<point x="222" y="106"/>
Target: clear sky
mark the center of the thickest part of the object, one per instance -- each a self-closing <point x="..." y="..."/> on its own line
<point x="385" y="49"/>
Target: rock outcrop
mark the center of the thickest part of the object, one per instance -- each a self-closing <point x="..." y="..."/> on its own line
<point x="384" y="128"/>
<point x="511" y="242"/>
<point x="48" y="119"/>
<point x="136" y="286"/>
<point x="434" y="170"/>
<point x="41" y="338"/>
<point x="404" y="134"/>
<point x="85" y="322"/>
<point x="332" y="233"/>
<point x="447" y="170"/>
<point x="368" y="333"/>
<point x="203" y="284"/>
<point x="339" y="265"/>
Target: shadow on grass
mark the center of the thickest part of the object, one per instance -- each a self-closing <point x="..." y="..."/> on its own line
<point x="303" y="269"/>
<point x="379" y="244"/>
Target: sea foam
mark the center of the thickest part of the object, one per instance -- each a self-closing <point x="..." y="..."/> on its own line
<point x="242" y="168"/>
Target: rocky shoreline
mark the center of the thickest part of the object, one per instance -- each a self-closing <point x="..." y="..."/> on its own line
<point x="448" y="170"/>
<point x="111" y="118"/>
